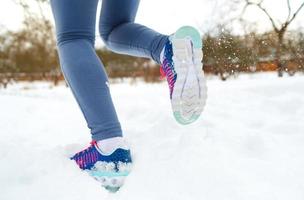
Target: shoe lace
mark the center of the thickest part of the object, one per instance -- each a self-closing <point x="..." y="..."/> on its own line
<point x="86" y="156"/>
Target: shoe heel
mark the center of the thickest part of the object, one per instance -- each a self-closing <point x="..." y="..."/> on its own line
<point x="189" y="32"/>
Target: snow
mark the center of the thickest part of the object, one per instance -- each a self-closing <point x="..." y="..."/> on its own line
<point x="247" y="145"/>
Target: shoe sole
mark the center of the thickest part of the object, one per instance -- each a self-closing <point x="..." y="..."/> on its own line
<point x="111" y="180"/>
<point x="190" y="90"/>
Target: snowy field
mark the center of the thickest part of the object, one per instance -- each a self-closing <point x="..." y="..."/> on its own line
<point x="248" y="144"/>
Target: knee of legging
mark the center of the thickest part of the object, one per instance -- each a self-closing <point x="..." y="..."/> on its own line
<point x="70" y="36"/>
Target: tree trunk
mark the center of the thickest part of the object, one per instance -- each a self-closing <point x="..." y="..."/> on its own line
<point x="278" y="54"/>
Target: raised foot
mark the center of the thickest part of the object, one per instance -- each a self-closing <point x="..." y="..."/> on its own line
<point x="189" y="94"/>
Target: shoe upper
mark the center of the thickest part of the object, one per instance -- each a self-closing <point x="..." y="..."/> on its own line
<point x="167" y="67"/>
<point x="87" y="158"/>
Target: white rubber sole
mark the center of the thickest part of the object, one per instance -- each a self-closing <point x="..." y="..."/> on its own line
<point x="109" y="178"/>
<point x="190" y="90"/>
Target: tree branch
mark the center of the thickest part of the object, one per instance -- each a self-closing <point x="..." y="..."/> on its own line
<point x="295" y="14"/>
<point x="244" y="10"/>
<point x="289" y="10"/>
<point x="259" y="5"/>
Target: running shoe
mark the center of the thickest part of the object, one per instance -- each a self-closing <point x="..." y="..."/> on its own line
<point x="182" y="66"/>
<point x="110" y="170"/>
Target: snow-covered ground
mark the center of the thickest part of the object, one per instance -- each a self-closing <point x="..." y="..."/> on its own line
<point x="247" y="145"/>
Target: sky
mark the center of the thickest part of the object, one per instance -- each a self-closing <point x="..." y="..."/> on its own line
<point x="166" y="16"/>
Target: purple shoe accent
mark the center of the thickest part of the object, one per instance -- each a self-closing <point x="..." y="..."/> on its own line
<point x="167" y="67"/>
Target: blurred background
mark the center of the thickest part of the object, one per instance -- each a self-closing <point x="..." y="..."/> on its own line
<point x="239" y="36"/>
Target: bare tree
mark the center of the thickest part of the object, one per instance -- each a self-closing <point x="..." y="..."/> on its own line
<point x="36" y="40"/>
<point x="279" y="29"/>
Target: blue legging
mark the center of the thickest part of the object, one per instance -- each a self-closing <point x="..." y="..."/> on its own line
<point x="84" y="72"/>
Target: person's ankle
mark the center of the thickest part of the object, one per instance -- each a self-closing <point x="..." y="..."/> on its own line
<point x="109" y="145"/>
